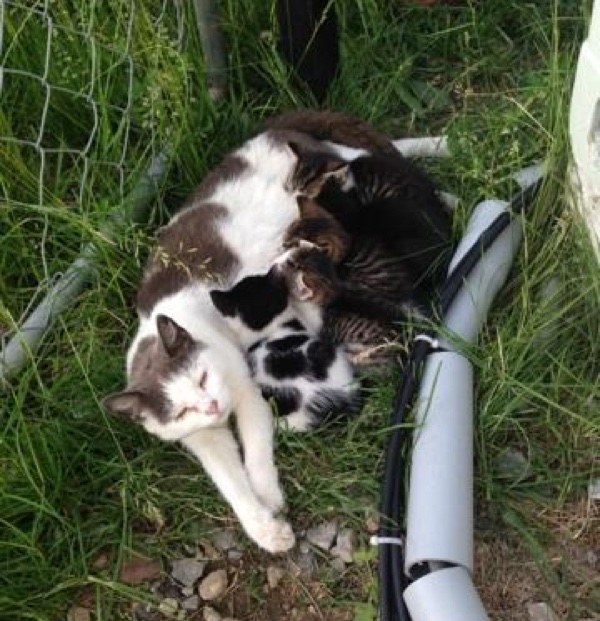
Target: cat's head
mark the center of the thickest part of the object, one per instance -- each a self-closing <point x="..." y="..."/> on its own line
<point x="313" y="170"/>
<point x="176" y="384"/>
<point x="309" y="272"/>
<point x="318" y="226"/>
<point x="255" y="301"/>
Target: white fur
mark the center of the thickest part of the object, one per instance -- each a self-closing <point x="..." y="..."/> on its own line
<point x="340" y="377"/>
<point x="252" y="489"/>
<point x="218" y="452"/>
<point x="260" y="209"/>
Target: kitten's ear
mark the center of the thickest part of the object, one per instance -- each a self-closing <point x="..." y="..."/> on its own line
<point x="296" y="149"/>
<point x="128" y="403"/>
<point x="223" y="302"/>
<point x="302" y="291"/>
<point x="335" y="168"/>
<point x="175" y="339"/>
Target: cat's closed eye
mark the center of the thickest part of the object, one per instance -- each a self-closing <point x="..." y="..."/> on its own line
<point x="202" y="382"/>
<point x="182" y="413"/>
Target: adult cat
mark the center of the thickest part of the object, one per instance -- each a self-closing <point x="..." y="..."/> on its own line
<point x="186" y="372"/>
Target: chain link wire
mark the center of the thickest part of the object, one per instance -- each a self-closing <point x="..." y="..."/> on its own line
<point x="74" y="87"/>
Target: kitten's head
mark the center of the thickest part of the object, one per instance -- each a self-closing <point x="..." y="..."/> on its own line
<point x="318" y="226"/>
<point x="309" y="273"/>
<point x="175" y="385"/>
<point x="313" y="170"/>
<point x="255" y="301"/>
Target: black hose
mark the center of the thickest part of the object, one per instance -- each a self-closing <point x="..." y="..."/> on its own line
<point x="392" y="579"/>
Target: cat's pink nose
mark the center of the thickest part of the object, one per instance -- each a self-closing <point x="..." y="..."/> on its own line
<point x="213" y="407"/>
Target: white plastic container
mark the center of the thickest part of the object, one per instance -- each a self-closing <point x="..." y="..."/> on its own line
<point x="584" y="128"/>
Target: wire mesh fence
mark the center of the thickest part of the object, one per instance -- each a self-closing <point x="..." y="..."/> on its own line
<point x="91" y="93"/>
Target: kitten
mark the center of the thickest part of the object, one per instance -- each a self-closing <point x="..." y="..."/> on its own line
<point x="373" y="291"/>
<point x="305" y="374"/>
<point x="385" y="197"/>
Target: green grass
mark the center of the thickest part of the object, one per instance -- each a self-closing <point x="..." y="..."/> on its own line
<point x="73" y="482"/>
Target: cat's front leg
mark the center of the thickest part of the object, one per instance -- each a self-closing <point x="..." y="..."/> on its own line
<point x="255" y="425"/>
<point x="218" y="452"/>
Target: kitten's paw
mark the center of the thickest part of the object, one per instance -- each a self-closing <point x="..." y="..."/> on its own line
<point x="272" y="534"/>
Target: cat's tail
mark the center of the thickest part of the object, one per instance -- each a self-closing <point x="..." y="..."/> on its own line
<point x="334" y="126"/>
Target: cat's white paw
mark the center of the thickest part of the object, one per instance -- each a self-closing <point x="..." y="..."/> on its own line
<point x="272" y="498"/>
<point x="265" y="483"/>
<point x="271" y="534"/>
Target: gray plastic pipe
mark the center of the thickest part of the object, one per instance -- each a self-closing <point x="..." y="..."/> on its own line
<point x="439" y="530"/>
<point x="211" y="39"/>
<point x="66" y="288"/>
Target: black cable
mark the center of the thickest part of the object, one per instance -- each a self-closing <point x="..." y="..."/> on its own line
<point x="392" y="579"/>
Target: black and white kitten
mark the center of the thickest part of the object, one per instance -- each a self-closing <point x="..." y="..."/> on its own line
<point x="279" y="315"/>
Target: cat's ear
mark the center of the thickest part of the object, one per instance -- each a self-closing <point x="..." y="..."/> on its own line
<point x="302" y="291"/>
<point x="128" y="403"/>
<point x="175" y="339"/>
<point x="296" y="149"/>
<point x="223" y="301"/>
<point x="334" y="168"/>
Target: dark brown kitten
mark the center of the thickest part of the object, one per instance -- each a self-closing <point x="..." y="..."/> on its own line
<point x="319" y="227"/>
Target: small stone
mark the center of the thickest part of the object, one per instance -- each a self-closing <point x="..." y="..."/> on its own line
<point x="304" y="547"/>
<point x="214" y="585"/>
<point x="208" y="552"/>
<point x="138" y="571"/>
<point x="210" y="614"/>
<point x="372" y="524"/>
<point x="78" y="613"/>
<point x="187" y="591"/>
<point x="338" y="564"/>
<point x="169" y="606"/>
<point x="191" y="603"/>
<point x="225" y="539"/>
<point x="304" y="564"/>
<point x="274" y="576"/>
<point x="323" y="535"/>
<point x="540" y="611"/>
<point x="146" y="612"/>
<point x="169" y="589"/>
<point x="234" y="555"/>
<point x="181" y="615"/>
<point x="513" y="464"/>
<point x="344" y="546"/>
<point x="187" y="570"/>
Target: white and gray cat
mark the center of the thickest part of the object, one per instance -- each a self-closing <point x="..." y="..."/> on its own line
<point x="186" y="370"/>
<point x="280" y="315"/>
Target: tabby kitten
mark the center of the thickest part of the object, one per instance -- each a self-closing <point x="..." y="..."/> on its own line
<point x="384" y="197"/>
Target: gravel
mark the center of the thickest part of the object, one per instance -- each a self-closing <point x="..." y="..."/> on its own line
<point x="323" y="535"/>
<point x="187" y="571"/>
<point x="274" y="576"/>
<point x="344" y="546"/>
<point x="214" y="585"/>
